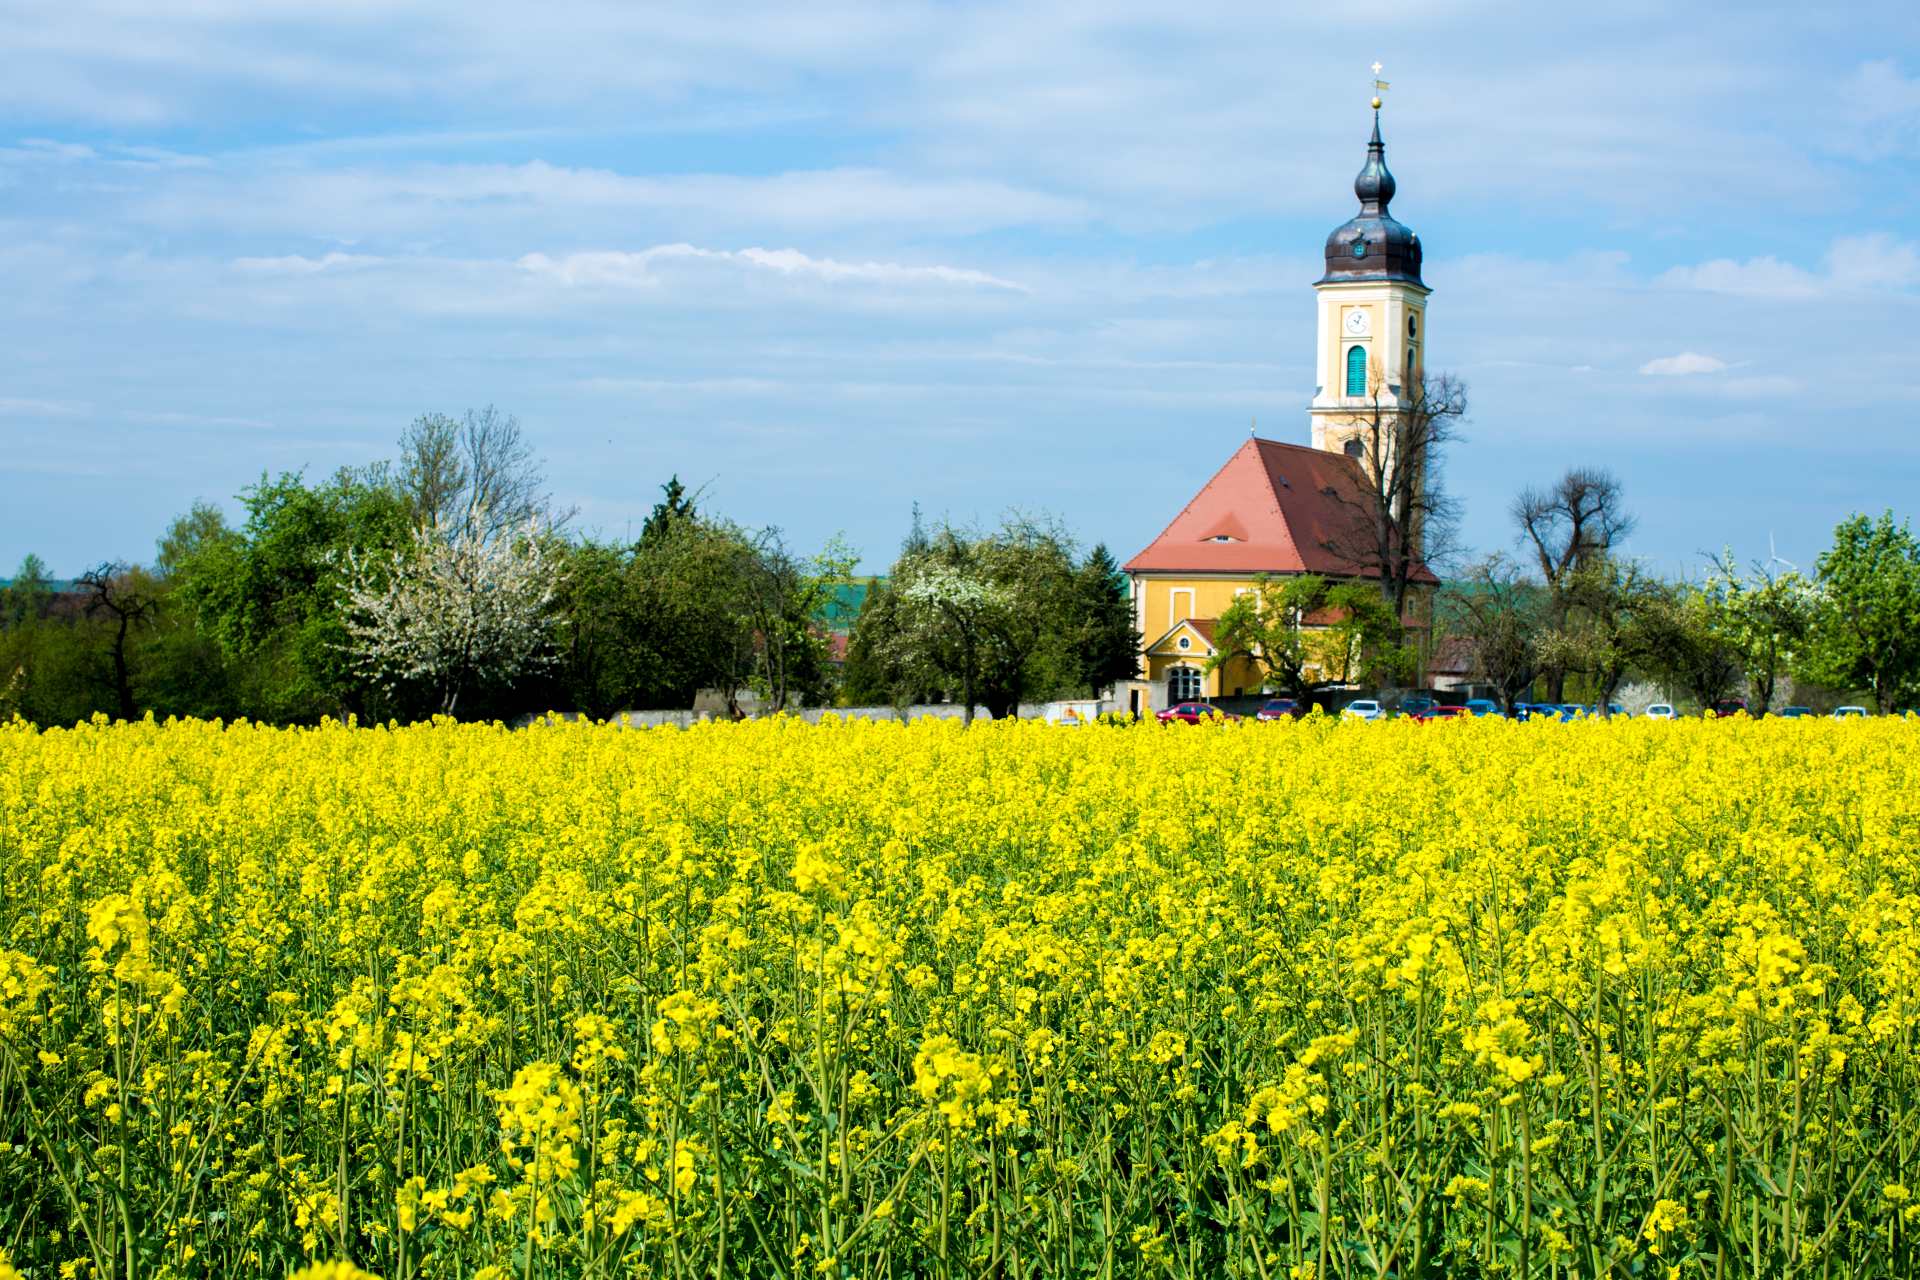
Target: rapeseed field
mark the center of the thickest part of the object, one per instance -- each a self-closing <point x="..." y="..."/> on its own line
<point x="871" y="1000"/>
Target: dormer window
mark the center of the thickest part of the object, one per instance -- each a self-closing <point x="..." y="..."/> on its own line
<point x="1220" y="537"/>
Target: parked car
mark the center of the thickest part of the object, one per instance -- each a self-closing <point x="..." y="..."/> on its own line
<point x="1729" y="707"/>
<point x="1416" y="704"/>
<point x="1796" y="713"/>
<point x="1363" y="709"/>
<point x="1483" y="707"/>
<point x="1194" y="713"/>
<point x="1848" y="713"/>
<point x="1661" y="711"/>
<point x="1279" y="709"/>
<point x="1443" y="713"/>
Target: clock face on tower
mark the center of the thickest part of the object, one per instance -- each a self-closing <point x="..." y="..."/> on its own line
<point x="1356" y="322"/>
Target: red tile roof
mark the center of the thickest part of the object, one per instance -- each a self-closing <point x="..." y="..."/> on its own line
<point x="1285" y="508"/>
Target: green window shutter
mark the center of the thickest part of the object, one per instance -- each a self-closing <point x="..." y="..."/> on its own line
<point x="1356" y="371"/>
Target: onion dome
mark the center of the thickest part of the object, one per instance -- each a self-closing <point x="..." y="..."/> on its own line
<point x="1371" y="245"/>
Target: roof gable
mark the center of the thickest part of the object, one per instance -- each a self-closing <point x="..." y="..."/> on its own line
<point x="1273" y="508"/>
<point x="1199" y="631"/>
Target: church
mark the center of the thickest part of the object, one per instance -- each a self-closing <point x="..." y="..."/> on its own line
<point x="1277" y="508"/>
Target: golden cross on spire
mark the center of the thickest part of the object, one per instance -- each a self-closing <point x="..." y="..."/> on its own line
<point x="1379" y="85"/>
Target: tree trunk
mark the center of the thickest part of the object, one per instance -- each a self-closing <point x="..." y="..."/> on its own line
<point x="122" y="685"/>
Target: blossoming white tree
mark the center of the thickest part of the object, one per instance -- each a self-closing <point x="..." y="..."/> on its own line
<point x="455" y="609"/>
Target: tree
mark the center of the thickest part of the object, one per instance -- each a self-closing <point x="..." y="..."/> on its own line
<point x="128" y="599"/>
<point x="1764" y="617"/>
<point x="1309" y="633"/>
<point x="475" y="471"/>
<point x="1866" y="624"/>
<point x="201" y="526"/>
<point x="1615" y="615"/>
<point x="1105" y="646"/>
<point x="1569" y="526"/>
<point x="1687" y="646"/>
<point x="784" y="598"/>
<point x="983" y="616"/>
<point x="675" y="505"/>
<point x="453" y="611"/>
<point x="1501" y="613"/>
<point x="26" y="597"/>
<point x="1405" y="517"/>
<point x="270" y="594"/>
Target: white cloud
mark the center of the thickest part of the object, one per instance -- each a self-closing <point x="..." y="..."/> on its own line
<point x="1766" y="277"/>
<point x="1872" y="262"/>
<point x="637" y="269"/>
<point x="1687" y="362"/>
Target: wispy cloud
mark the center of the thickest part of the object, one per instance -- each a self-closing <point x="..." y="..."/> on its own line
<point x="1682" y="365"/>
<point x="613" y="267"/>
<point x="298" y="265"/>
<point x="1873" y="262"/>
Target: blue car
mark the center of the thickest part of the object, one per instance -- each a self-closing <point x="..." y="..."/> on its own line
<point x="1483" y="707"/>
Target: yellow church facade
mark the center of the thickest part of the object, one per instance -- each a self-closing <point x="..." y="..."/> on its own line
<point x="1277" y="508"/>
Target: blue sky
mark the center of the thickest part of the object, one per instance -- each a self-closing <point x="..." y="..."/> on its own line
<point x="828" y="260"/>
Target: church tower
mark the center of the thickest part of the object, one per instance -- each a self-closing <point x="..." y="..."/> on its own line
<point x="1373" y="314"/>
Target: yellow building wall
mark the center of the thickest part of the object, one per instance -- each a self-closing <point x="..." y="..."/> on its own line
<point x="1167" y="601"/>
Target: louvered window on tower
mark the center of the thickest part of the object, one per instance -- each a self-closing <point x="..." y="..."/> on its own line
<point x="1356" y="371"/>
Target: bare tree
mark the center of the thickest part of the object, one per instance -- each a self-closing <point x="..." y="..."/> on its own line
<point x="127" y="596"/>
<point x="1569" y="526"/>
<point x="1404" y="518"/>
<point x="476" y="473"/>
<point x="1578" y="519"/>
<point x="432" y="476"/>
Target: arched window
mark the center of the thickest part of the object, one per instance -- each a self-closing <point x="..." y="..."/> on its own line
<point x="1409" y="364"/>
<point x="1183" y="684"/>
<point x="1353" y="448"/>
<point x="1413" y="326"/>
<point x="1356" y="371"/>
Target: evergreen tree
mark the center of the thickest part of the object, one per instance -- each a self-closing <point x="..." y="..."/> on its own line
<point x="1107" y="648"/>
<point x="676" y="506"/>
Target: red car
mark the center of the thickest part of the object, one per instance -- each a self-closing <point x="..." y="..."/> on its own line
<point x="1443" y="713"/>
<point x="1194" y="713"/>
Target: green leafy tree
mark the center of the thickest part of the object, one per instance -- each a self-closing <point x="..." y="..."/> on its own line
<point x="270" y="595"/>
<point x="988" y="618"/>
<point x="1687" y="645"/>
<point x="28" y="594"/>
<point x="192" y="533"/>
<point x="1764" y="618"/>
<point x="1308" y="633"/>
<point x="1865" y="631"/>
<point x="1617" y="619"/>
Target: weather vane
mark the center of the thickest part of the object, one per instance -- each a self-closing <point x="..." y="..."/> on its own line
<point x="1379" y="86"/>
